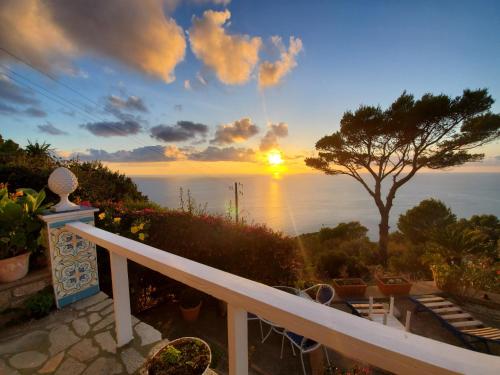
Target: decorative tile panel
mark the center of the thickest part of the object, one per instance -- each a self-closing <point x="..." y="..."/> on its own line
<point x="73" y="260"/>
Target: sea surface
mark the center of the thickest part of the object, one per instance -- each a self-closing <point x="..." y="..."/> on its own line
<point x="298" y="204"/>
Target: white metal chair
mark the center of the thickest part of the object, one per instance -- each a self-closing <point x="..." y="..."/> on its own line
<point x="303" y="344"/>
<point x="324" y="293"/>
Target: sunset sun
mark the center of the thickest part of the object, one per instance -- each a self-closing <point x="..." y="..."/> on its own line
<point x="274" y="157"/>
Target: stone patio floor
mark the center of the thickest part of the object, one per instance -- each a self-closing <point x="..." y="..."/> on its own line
<point x="78" y="339"/>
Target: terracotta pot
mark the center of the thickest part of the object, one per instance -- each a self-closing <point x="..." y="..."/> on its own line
<point x="144" y="369"/>
<point x="353" y="287"/>
<point x="15" y="268"/>
<point x="191" y="314"/>
<point x="393" y="289"/>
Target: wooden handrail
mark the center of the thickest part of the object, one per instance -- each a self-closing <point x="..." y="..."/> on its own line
<point x="387" y="348"/>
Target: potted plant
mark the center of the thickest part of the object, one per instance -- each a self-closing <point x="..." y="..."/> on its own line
<point x="393" y="285"/>
<point x="19" y="231"/>
<point x="190" y="302"/>
<point x="349" y="287"/>
<point x="183" y="356"/>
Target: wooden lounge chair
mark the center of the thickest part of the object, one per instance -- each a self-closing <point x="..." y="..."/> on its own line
<point x="467" y="328"/>
<point x="377" y="312"/>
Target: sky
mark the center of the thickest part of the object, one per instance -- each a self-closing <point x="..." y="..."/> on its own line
<point x="213" y="86"/>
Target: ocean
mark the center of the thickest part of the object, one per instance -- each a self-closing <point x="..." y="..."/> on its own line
<point x="299" y="204"/>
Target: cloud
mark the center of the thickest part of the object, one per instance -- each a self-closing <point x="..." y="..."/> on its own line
<point x="271" y="73"/>
<point x="51" y="129"/>
<point x="178" y="107"/>
<point x="270" y="140"/>
<point x="237" y="131"/>
<point x="141" y="154"/>
<point x="132" y="103"/>
<point x="15" y="94"/>
<point x="212" y="153"/>
<point x="182" y="131"/>
<point x="112" y="128"/>
<point x="51" y="33"/>
<point x="35" y="112"/>
<point x="18" y="100"/>
<point x="231" y="57"/>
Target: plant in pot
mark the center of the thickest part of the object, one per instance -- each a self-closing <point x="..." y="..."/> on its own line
<point x="349" y="287"/>
<point x="19" y="231"/>
<point x="393" y="285"/>
<point x="190" y="302"/>
<point x="183" y="356"/>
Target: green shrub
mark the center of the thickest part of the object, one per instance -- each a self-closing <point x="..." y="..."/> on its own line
<point x="343" y="232"/>
<point x="251" y="251"/>
<point x="338" y="264"/>
<point x="40" y="304"/>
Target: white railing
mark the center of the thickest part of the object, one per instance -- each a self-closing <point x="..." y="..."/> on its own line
<point x="387" y="348"/>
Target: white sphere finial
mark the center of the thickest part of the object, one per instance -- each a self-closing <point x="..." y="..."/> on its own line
<point x="63" y="182"/>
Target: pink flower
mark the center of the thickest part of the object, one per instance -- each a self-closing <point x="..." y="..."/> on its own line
<point x="85" y="203"/>
<point x="148" y="210"/>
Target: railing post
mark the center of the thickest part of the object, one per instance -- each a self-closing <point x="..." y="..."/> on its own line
<point x="237" y="331"/>
<point x="121" y="299"/>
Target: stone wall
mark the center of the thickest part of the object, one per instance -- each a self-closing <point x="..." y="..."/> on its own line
<point x="14" y="294"/>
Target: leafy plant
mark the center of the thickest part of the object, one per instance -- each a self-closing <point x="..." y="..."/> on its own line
<point x="40" y="304"/>
<point x="19" y="226"/>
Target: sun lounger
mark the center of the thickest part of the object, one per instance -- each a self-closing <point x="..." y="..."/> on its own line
<point x="377" y="312"/>
<point x="465" y="326"/>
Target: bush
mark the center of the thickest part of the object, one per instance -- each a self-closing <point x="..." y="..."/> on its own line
<point x="337" y="264"/>
<point x="251" y="251"/>
<point x="343" y="232"/>
<point x="40" y="304"/>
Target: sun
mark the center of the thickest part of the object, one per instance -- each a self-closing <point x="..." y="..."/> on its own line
<point x="274" y="157"/>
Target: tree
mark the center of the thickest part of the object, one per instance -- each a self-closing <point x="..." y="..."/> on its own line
<point x="392" y="145"/>
<point x="418" y="223"/>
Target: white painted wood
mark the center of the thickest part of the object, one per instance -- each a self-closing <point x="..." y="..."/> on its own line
<point x="430" y="299"/>
<point x="391" y="306"/>
<point x="237" y="340"/>
<point x="390" y="349"/>
<point x="447" y="309"/>
<point x="468" y="323"/>
<point x="121" y="299"/>
<point x="456" y="316"/>
<point x="407" y="321"/>
<point x="438" y="304"/>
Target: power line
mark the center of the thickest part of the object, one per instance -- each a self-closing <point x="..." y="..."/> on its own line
<point x="109" y="125"/>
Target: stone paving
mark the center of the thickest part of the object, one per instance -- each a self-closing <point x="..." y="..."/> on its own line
<point x="79" y="339"/>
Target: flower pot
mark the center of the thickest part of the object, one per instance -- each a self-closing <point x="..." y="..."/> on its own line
<point x="393" y="286"/>
<point x="190" y="314"/>
<point x="15" y="268"/>
<point x="353" y="287"/>
<point x="201" y="358"/>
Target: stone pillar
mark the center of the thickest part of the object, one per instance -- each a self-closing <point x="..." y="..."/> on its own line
<point x="73" y="260"/>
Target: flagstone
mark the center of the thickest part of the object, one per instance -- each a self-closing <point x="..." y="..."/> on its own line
<point x="26" y="360"/>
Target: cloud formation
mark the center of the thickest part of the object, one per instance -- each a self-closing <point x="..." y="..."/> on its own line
<point x="51" y="129"/>
<point x="141" y="154"/>
<point x="168" y="153"/>
<point x="50" y="33"/>
<point x="231" y="57"/>
<point x="18" y="100"/>
<point x="270" y="140"/>
<point x="212" y="153"/>
<point x="237" y="131"/>
<point x="182" y="131"/>
<point x="113" y="128"/>
<point x="132" y="103"/>
<point x="271" y="73"/>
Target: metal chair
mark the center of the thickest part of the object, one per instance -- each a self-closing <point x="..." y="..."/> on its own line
<point x="324" y="293"/>
<point x="303" y="344"/>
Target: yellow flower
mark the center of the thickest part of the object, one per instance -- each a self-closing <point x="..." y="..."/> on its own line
<point x="141" y="226"/>
<point x="117" y="220"/>
<point x="141" y="236"/>
<point x="134" y="229"/>
<point x="102" y="216"/>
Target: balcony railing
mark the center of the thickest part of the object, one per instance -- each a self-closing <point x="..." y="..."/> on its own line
<point x="387" y="348"/>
